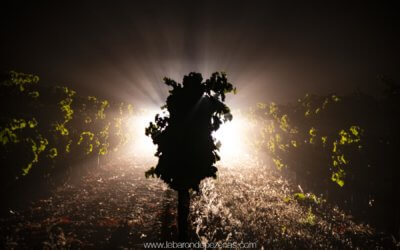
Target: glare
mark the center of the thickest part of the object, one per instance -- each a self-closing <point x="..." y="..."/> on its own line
<point x="233" y="136"/>
<point x="141" y="146"/>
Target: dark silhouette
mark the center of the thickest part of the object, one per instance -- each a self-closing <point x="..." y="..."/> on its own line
<point x="186" y="149"/>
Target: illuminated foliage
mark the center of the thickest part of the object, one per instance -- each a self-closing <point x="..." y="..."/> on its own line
<point x="21" y="80"/>
<point x="7" y="135"/>
<point x="38" y="147"/>
<point x="338" y="177"/>
<point x="324" y="139"/>
<point x="68" y="147"/>
<point x="278" y="163"/>
<point x="351" y="136"/>
<point x="65" y="106"/>
<point x="34" y="94"/>
<point x="288" y="132"/>
<point x="53" y="153"/>
<point x="313" y="134"/>
<point x="100" y="114"/>
<point x="55" y="123"/>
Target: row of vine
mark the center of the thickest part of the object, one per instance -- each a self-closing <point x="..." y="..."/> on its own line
<point x="344" y="147"/>
<point x="43" y="128"/>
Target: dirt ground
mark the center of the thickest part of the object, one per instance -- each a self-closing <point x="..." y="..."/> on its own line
<point x="115" y="207"/>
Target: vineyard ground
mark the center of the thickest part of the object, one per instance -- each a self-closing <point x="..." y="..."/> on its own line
<point x="114" y="206"/>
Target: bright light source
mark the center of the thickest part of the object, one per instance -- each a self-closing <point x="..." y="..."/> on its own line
<point x="141" y="145"/>
<point x="233" y="137"/>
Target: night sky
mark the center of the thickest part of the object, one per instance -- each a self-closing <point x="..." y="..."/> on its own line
<point x="272" y="52"/>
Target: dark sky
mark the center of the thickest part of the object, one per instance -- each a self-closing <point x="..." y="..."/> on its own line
<point x="271" y="51"/>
